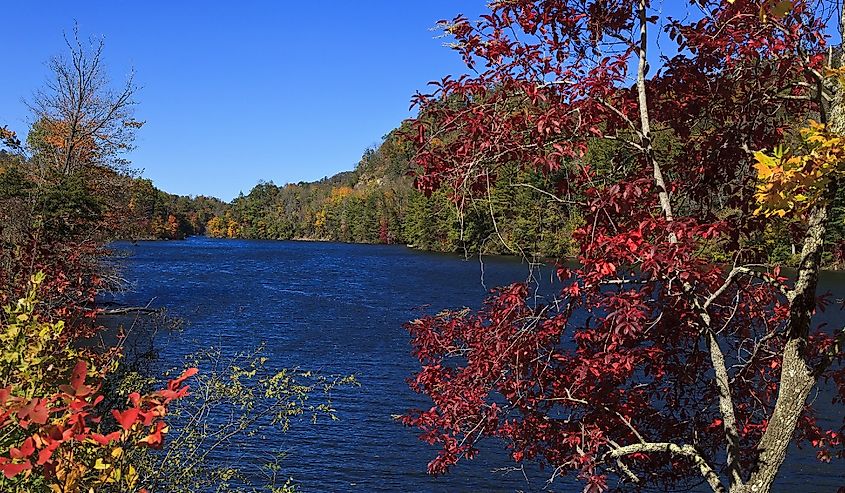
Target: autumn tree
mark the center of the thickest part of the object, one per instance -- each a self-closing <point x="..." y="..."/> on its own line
<point x="56" y="430"/>
<point x="76" y="191"/>
<point x="79" y="119"/>
<point x="655" y="365"/>
<point x="61" y="193"/>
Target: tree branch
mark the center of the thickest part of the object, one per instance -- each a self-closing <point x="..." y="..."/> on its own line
<point x="645" y="120"/>
<point x="687" y="451"/>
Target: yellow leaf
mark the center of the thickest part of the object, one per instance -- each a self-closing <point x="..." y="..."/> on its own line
<point x="131" y="476"/>
<point x="781" y="8"/>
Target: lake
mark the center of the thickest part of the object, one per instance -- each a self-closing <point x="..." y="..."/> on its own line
<point x="339" y="308"/>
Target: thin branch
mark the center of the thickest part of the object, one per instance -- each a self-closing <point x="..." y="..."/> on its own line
<point x="549" y="194"/>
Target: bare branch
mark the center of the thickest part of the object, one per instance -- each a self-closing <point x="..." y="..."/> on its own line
<point x="548" y="194"/>
<point x="78" y="120"/>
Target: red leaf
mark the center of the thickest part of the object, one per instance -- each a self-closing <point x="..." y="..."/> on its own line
<point x="156" y="438"/>
<point x="26" y="450"/>
<point x="106" y="439"/>
<point x="34" y="411"/>
<point x="12" y="470"/>
<point x="77" y="378"/>
<point x="174" y="384"/>
<point x="126" y="418"/>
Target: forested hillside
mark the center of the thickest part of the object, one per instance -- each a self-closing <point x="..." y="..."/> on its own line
<point x="60" y="204"/>
<point x="378" y="203"/>
<point x="161" y="215"/>
<point x="521" y="212"/>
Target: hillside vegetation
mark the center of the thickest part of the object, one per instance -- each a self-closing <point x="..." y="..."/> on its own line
<point x="378" y="203"/>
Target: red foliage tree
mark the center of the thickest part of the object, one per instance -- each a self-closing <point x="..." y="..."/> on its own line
<point x="655" y="365"/>
<point x="384" y="232"/>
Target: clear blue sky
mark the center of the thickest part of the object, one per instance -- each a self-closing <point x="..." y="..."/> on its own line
<point x="237" y="92"/>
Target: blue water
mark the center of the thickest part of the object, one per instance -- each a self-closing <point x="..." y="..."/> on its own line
<point x="339" y="308"/>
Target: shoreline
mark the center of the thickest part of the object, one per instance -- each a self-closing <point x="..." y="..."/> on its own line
<point x="538" y="257"/>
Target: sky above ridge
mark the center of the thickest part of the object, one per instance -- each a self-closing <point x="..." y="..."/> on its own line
<point x="237" y="92"/>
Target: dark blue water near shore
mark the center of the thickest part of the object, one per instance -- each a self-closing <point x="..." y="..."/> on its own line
<point x="339" y="308"/>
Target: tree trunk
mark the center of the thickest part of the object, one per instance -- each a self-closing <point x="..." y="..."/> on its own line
<point x="797" y="375"/>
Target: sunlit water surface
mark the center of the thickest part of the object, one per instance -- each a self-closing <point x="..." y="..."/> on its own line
<point x="339" y="308"/>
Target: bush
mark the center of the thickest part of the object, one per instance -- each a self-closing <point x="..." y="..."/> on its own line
<point x="54" y="433"/>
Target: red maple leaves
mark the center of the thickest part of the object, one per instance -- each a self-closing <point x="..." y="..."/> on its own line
<point x="621" y="373"/>
<point x="71" y="416"/>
